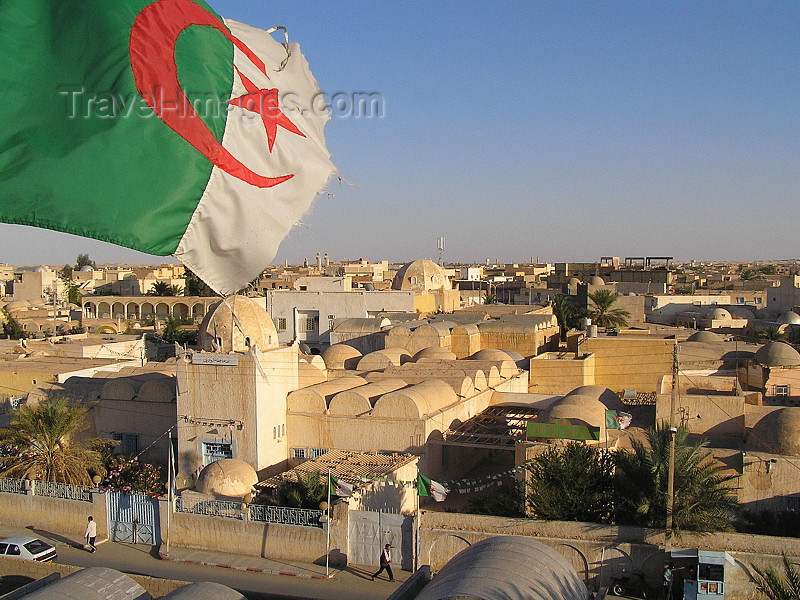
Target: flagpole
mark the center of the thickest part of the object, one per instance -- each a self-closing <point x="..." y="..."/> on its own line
<point x="169" y="487"/>
<point x="328" y="529"/>
<point x="416" y="541"/>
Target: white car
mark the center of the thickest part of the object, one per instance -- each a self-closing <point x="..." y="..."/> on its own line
<point x="27" y="547"/>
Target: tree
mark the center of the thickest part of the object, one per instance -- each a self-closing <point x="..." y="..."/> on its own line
<point x="704" y="499"/>
<point x="307" y="492"/>
<point x="566" y="312"/>
<point x="173" y="334"/>
<point x="490" y="299"/>
<point x="506" y="501"/>
<point x="603" y="313"/>
<point x="40" y="443"/>
<point x="196" y="286"/>
<point x="162" y="288"/>
<point x="772" y="334"/>
<point x="127" y="474"/>
<point x="775" y="587"/>
<point x="572" y="483"/>
<point x="13" y="329"/>
<point x="83" y="260"/>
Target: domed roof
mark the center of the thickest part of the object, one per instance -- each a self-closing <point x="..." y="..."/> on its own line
<point x="778" y="432"/>
<point x="777" y="354"/>
<point x="573" y="281"/>
<point x="706" y="337"/>
<point x="435" y="352"/>
<point x="789" y="318"/>
<point x="41" y="269"/>
<point x="741" y="312"/>
<point x="490" y="354"/>
<point x="578" y="410"/>
<point x="227" y="477"/>
<point x="767" y="313"/>
<point x="341" y="357"/>
<point x="87" y="268"/>
<point x="596" y="280"/>
<point x="718" y="314"/>
<point x="421" y="275"/>
<point x="607" y="397"/>
<point x="235" y="324"/>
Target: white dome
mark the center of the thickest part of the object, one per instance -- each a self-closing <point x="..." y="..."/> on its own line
<point x="227" y="477"/>
<point x="235" y="324"/>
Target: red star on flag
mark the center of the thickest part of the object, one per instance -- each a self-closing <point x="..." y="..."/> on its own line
<point x="265" y="103"/>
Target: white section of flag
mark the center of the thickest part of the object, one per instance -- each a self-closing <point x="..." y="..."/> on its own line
<point x="236" y="229"/>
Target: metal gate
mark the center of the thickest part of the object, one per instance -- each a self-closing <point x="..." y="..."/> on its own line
<point x="371" y="531"/>
<point x="133" y="518"/>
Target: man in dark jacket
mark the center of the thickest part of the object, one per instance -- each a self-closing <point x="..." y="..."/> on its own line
<point x="386" y="561"/>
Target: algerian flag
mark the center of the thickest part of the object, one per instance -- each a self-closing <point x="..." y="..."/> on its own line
<point x="340" y="487"/>
<point x="618" y="419"/>
<point x="428" y="487"/>
<point x="158" y="126"/>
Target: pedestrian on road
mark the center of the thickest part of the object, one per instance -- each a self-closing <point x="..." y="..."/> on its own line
<point x="91" y="535"/>
<point x="386" y="561"/>
<point x="668" y="577"/>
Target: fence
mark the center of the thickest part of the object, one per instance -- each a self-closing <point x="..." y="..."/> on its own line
<point x="285" y="516"/>
<point x="12" y="486"/>
<point x="281" y="515"/>
<point x="51" y="489"/>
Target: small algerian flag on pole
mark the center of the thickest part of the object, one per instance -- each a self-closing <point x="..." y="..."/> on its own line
<point x="618" y="419"/>
<point x="159" y="126"/>
<point x="339" y="487"/>
<point x="428" y="487"/>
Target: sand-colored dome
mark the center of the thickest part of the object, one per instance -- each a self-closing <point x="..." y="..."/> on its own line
<point x="227" y="477"/>
<point x="573" y="281"/>
<point x="596" y="280"/>
<point x="588" y="412"/>
<point x="341" y="357"/>
<point x="778" y="432"/>
<point x="435" y="353"/>
<point x="490" y="354"/>
<point x="421" y="275"/>
<point x="742" y="313"/>
<point x="383" y="359"/>
<point x="718" y="314"/>
<point x="706" y="337"/>
<point x="777" y="354"/>
<point x="607" y="397"/>
<point x="252" y="326"/>
<point x="789" y="318"/>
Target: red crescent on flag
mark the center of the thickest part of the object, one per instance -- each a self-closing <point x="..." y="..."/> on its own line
<point x="154" y="34"/>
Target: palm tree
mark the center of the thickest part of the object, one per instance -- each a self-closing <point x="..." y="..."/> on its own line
<point x="490" y="299"/>
<point x="703" y="499"/>
<point x="162" y="288"/>
<point x="566" y="312"/>
<point x="775" y="587"/>
<point x="40" y="444"/>
<point x="772" y="334"/>
<point x="604" y="314"/>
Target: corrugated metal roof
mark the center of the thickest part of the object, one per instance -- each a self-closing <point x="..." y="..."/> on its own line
<point x="507" y="568"/>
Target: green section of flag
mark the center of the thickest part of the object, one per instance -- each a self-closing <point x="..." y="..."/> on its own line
<point x="611" y="420"/>
<point x="80" y="151"/>
<point x="562" y="431"/>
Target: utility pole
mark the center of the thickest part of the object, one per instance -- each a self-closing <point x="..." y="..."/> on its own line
<point x="440" y="246"/>
<point x="672" y="433"/>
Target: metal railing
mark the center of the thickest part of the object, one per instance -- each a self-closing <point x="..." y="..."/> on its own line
<point x="12" y="486"/>
<point x="61" y="490"/>
<point x="285" y="516"/>
<point x="210" y="508"/>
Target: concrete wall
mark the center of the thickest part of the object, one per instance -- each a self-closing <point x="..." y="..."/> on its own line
<point x="599" y="552"/>
<point x="629" y="363"/>
<point x="54" y="514"/>
<point x="255" y="538"/>
<point x="560" y="372"/>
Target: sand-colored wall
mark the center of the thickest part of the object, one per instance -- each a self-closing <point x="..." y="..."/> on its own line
<point x="629" y="363"/>
<point x="560" y="373"/>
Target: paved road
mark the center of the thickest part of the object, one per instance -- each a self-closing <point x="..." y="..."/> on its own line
<point x="352" y="583"/>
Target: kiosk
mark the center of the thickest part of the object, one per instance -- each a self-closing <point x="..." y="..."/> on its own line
<point x="704" y="573"/>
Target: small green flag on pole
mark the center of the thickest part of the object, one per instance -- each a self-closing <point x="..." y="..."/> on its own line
<point x="340" y="487"/>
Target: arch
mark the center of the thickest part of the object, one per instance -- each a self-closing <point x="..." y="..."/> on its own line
<point x="117" y="310"/>
<point x="455" y="539"/>
<point x="157" y="391"/>
<point x="180" y="310"/>
<point x="90" y="310"/>
<point x="148" y="310"/>
<point x="584" y="562"/>
<point x="162" y="310"/>
<point x="30" y="326"/>
<point x="106" y="329"/>
<point x="132" y="310"/>
<point x="103" y="310"/>
<point x="198" y="311"/>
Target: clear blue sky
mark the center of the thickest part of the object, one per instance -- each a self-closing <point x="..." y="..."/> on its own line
<point x="560" y="130"/>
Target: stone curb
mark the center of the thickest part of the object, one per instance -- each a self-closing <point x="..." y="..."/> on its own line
<point x="163" y="556"/>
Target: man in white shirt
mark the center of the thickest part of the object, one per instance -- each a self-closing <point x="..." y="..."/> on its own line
<point x="386" y="561"/>
<point x="91" y="534"/>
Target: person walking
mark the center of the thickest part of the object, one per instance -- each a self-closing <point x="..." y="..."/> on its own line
<point x="91" y="535"/>
<point x="386" y="561"/>
<point x="668" y="578"/>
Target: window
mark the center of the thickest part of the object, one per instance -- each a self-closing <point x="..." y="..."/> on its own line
<point x="739" y="300"/>
<point x="758" y="300"/>
<point x="782" y="391"/>
<point x="317" y="452"/>
<point x="128" y="443"/>
<point x="283" y="429"/>
<point x="213" y="451"/>
<point x="13" y="550"/>
<point x="280" y="323"/>
<point x="274" y="432"/>
<point x="299" y="453"/>
<point x="3" y="548"/>
<point x="303" y="288"/>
